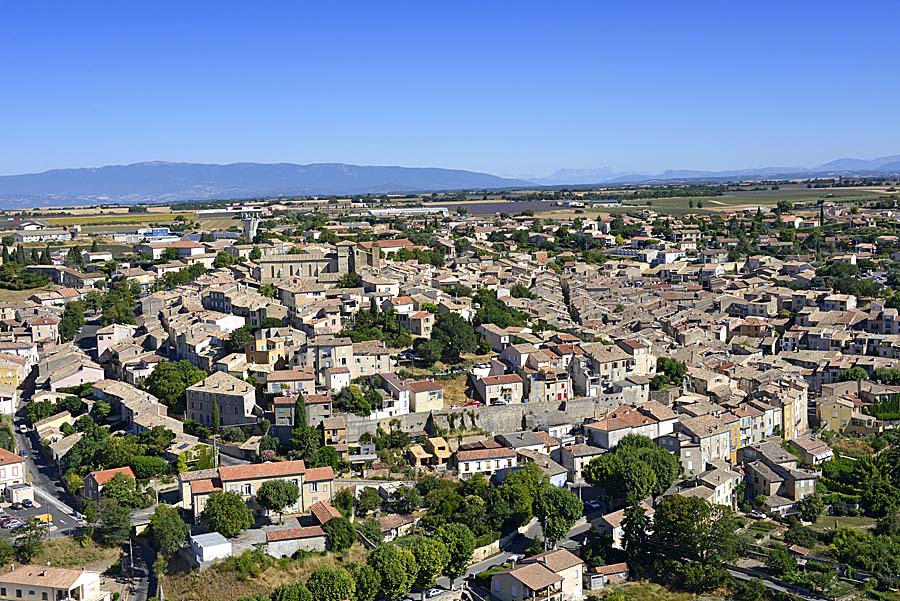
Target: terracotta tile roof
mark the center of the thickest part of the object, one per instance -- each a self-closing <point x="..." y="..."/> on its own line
<point x="535" y="576"/>
<point x="324" y="512"/>
<point x="423" y="386"/>
<point x="613" y="568"/>
<point x="546" y="438"/>
<point x="500" y="380"/>
<point x="557" y="560"/>
<point x="294" y="533"/>
<point x="478" y="454"/>
<point x="319" y="474"/>
<point x="203" y="487"/>
<point x="104" y="476"/>
<point x="42" y="576"/>
<point x="256" y="471"/>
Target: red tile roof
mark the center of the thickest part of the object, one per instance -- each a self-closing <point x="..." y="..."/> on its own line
<point x="256" y="471"/>
<point x="324" y="512"/>
<point x="319" y="474"/>
<point x="294" y="533"/>
<point x="104" y="476"/>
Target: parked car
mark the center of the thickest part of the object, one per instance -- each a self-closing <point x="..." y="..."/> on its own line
<point x="432" y="592"/>
<point x="16" y="506"/>
<point x="28" y="503"/>
<point x="23" y="429"/>
<point x="758" y="515"/>
<point x="593" y="505"/>
<point x="13" y="524"/>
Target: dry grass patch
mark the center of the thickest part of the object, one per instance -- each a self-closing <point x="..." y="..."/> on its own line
<point x="215" y="584"/>
<point x="66" y="552"/>
<point x="650" y="591"/>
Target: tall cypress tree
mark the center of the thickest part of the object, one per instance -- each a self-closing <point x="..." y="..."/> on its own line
<point x="300" y="412"/>
<point x="215" y="417"/>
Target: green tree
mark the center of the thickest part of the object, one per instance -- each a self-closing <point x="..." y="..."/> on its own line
<point x="168" y="381"/>
<point x="343" y="501"/>
<point x="460" y="543"/>
<point x="305" y="442"/>
<point x="341" y="534"/>
<point x="215" y="417"/>
<point x="431" y="556"/>
<point x="226" y="513"/>
<point x="696" y="538"/>
<point x="72" y="320"/>
<point x="397" y="569"/>
<point x="276" y="495"/>
<point x="331" y="584"/>
<point x="124" y="490"/>
<point x="557" y="509"/>
<point x="350" y="280"/>
<point x="168" y="529"/>
<point x="367" y="501"/>
<point x="853" y="374"/>
<point x="781" y="562"/>
<point x="811" y="507"/>
<point x="115" y="523"/>
<point x="368" y="582"/>
<point x="295" y="591"/>
<point x="30" y="543"/>
<point x="255" y="254"/>
<point x="455" y="336"/>
<point x="146" y="466"/>
<point x="223" y="260"/>
<point x="634" y="470"/>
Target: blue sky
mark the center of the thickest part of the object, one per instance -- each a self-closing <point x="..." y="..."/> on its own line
<point x="514" y="88"/>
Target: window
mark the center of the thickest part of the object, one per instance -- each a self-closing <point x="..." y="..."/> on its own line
<point x="247" y="489"/>
<point x="19" y="593"/>
<point x="314" y="487"/>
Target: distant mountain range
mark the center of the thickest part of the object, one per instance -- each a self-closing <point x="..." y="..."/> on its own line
<point x="172" y="182"/>
<point x="604" y="175"/>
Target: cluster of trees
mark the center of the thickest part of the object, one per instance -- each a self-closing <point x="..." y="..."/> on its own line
<point x="523" y="494"/>
<point x="451" y="337"/>
<point x="690" y="544"/>
<point x="173" y="279"/>
<point x="97" y="449"/>
<point x="491" y="310"/>
<point x="433" y="255"/>
<point x="375" y="324"/>
<point x="634" y="470"/>
<point x="169" y="380"/>
<point x="12" y="274"/>
<point x="872" y="483"/>
<point x="117" y="303"/>
<point x="357" y="399"/>
<point x="845" y="278"/>
<point x="669" y="372"/>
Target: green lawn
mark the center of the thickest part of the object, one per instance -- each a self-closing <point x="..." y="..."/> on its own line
<point x="828" y="522"/>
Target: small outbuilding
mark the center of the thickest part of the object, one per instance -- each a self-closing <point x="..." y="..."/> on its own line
<point x="209" y="547"/>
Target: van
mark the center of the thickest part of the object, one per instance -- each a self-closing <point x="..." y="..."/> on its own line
<point x="45" y="518"/>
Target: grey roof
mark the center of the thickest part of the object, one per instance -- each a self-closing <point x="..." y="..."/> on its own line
<point x="210" y="539"/>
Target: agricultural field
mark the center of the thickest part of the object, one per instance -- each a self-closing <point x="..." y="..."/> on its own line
<point x="127" y="218"/>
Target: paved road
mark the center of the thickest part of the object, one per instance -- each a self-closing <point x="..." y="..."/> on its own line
<point x="47" y="491"/>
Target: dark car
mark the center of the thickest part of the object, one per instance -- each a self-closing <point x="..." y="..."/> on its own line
<point x="28" y="503"/>
<point x="16" y="506"/>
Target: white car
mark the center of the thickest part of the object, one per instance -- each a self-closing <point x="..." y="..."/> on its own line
<point x="23" y="429"/>
<point x="432" y="592"/>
